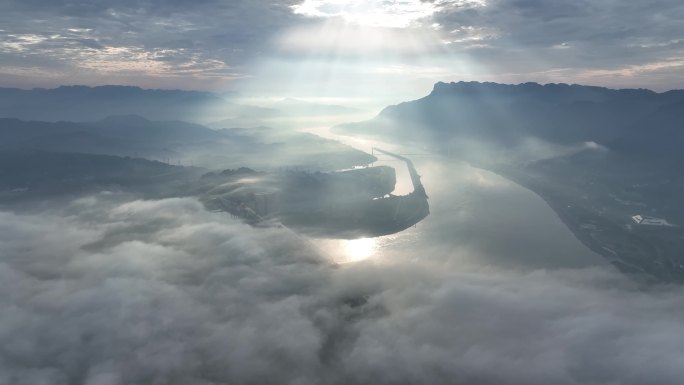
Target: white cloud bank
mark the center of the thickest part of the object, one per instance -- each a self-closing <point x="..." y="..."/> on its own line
<point x="164" y="292"/>
<point x="378" y="13"/>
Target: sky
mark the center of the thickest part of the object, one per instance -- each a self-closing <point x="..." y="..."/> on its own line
<point x="132" y="291"/>
<point x="390" y="49"/>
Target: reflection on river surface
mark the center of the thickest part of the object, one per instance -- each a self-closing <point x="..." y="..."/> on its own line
<point x="477" y="218"/>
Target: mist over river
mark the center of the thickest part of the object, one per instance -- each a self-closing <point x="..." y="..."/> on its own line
<point x="477" y="219"/>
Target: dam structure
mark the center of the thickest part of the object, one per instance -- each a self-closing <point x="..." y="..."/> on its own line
<point x="418" y="188"/>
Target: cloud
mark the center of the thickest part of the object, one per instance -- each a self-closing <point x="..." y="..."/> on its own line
<point x="166" y="292"/>
<point x="360" y="43"/>
<point x="390" y="14"/>
<point x="598" y="33"/>
<point x="175" y="295"/>
<point x="607" y="43"/>
<point x="143" y="42"/>
<point x="543" y="328"/>
<point x="210" y="44"/>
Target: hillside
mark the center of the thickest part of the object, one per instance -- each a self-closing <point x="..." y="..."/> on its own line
<point x="597" y="156"/>
<point x="502" y="115"/>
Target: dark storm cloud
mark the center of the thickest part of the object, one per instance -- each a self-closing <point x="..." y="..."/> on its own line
<point x="166" y="292"/>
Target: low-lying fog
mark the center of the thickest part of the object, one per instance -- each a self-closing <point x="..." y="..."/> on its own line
<point x="105" y="291"/>
<point x="491" y="288"/>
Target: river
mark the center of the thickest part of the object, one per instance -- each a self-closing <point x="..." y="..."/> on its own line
<point x="478" y="220"/>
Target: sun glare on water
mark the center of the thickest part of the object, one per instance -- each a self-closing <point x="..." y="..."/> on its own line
<point x="348" y="251"/>
<point x="357" y="250"/>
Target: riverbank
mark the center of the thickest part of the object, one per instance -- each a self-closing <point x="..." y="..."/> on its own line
<point x="630" y="250"/>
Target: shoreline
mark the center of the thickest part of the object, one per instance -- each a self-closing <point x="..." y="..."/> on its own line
<point x="564" y="213"/>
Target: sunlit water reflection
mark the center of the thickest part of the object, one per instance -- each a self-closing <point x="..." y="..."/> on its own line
<point x="342" y="251"/>
<point x="477" y="219"/>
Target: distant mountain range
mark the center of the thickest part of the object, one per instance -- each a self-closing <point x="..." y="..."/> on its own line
<point x="85" y="104"/>
<point x="180" y="142"/>
<point x="597" y="156"/>
<point x="508" y="115"/>
<point x="42" y="176"/>
<point x="128" y="135"/>
<point x="81" y="103"/>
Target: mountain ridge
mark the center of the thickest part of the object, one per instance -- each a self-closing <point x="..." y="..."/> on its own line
<point x="597" y="156"/>
<point x="508" y="114"/>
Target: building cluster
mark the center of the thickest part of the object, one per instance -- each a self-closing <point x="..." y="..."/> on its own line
<point x="650" y="221"/>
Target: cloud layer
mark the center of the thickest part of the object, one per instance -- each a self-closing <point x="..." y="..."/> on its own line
<point x="212" y="43"/>
<point x="166" y="292"/>
<point x="191" y="45"/>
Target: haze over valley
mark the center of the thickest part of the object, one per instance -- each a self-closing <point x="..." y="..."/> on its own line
<point x="341" y="192"/>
